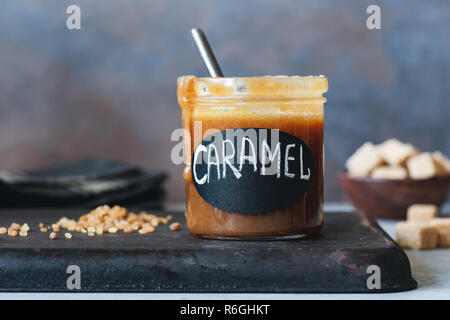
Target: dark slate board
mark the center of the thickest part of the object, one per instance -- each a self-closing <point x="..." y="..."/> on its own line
<point x="167" y="261"/>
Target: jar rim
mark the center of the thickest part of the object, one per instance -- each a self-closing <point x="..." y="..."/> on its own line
<point x="263" y="86"/>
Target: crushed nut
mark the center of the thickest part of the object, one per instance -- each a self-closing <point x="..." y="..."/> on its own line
<point x="128" y="229"/>
<point x="15" y="226"/>
<point x="52" y="235"/>
<point x="12" y="232"/>
<point x="147" y="228"/>
<point x="163" y="220"/>
<point x="55" y="227"/>
<point x="25" y="227"/>
<point x="112" y="230"/>
<point x="43" y="229"/>
<point x="3" y="230"/>
<point x="68" y="235"/>
<point x="155" y="222"/>
<point x="175" y="226"/>
<point x="135" y="226"/>
<point x="41" y="225"/>
<point x="23" y="233"/>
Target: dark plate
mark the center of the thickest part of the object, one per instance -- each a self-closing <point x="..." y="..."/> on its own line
<point x="168" y="261"/>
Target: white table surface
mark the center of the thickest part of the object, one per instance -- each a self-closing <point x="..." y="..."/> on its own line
<point x="430" y="268"/>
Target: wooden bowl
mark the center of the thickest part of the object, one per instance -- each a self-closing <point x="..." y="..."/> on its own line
<point x="389" y="199"/>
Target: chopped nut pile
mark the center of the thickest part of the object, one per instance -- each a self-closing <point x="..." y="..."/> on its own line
<point x="103" y="219"/>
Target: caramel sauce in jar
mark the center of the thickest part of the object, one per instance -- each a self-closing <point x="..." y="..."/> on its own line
<point x="294" y="105"/>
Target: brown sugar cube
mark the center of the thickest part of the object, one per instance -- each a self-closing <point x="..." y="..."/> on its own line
<point x="442" y="163"/>
<point x="363" y="161"/>
<point x="422" y="166"/>
<point x="416" y="235"/>
<point x="389" y="172"/>
<point x="395" y="152"/>
<point x="442" y="226"/>
<point x="421" y="212"/>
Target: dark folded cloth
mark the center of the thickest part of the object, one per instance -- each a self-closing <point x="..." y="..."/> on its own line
<point x="83" y="183"/>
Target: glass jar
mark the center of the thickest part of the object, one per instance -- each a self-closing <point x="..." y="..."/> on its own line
<point x="242" y="201"/>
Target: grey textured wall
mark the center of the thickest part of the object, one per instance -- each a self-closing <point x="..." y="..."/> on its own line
<point x="109" y="89"/>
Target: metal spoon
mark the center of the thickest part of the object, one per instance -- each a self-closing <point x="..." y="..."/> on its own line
<point x="206" y="52"/>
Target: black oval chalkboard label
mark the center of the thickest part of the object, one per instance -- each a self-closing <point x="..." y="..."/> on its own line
<point x="252" y="170"/>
